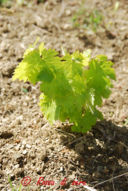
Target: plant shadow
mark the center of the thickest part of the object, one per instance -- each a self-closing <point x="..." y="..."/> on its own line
<point x="102" y="154"/>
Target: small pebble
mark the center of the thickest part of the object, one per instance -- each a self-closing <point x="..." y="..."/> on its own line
<point x="68" y="12"/>
<point x="28" y="146"/>
<point x="24" y="152"/>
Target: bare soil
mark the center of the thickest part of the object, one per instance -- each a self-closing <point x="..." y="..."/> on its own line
<point x="29" y="146"/>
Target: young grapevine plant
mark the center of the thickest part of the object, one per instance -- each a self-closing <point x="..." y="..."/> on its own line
<point x="73" y="85"/>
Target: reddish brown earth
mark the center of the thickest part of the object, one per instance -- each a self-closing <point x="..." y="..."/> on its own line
<point x="28" y="145"/>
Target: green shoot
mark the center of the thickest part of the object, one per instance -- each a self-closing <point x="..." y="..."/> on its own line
<point x="73" y="86"/>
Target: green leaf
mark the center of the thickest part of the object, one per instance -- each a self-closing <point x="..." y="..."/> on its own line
<point x="45" y="75"/>
<point x="72" y="86"/>
<point x="29" y="68"/>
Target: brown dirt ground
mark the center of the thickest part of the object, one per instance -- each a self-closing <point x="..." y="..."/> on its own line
<point x="28" y="145"/>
